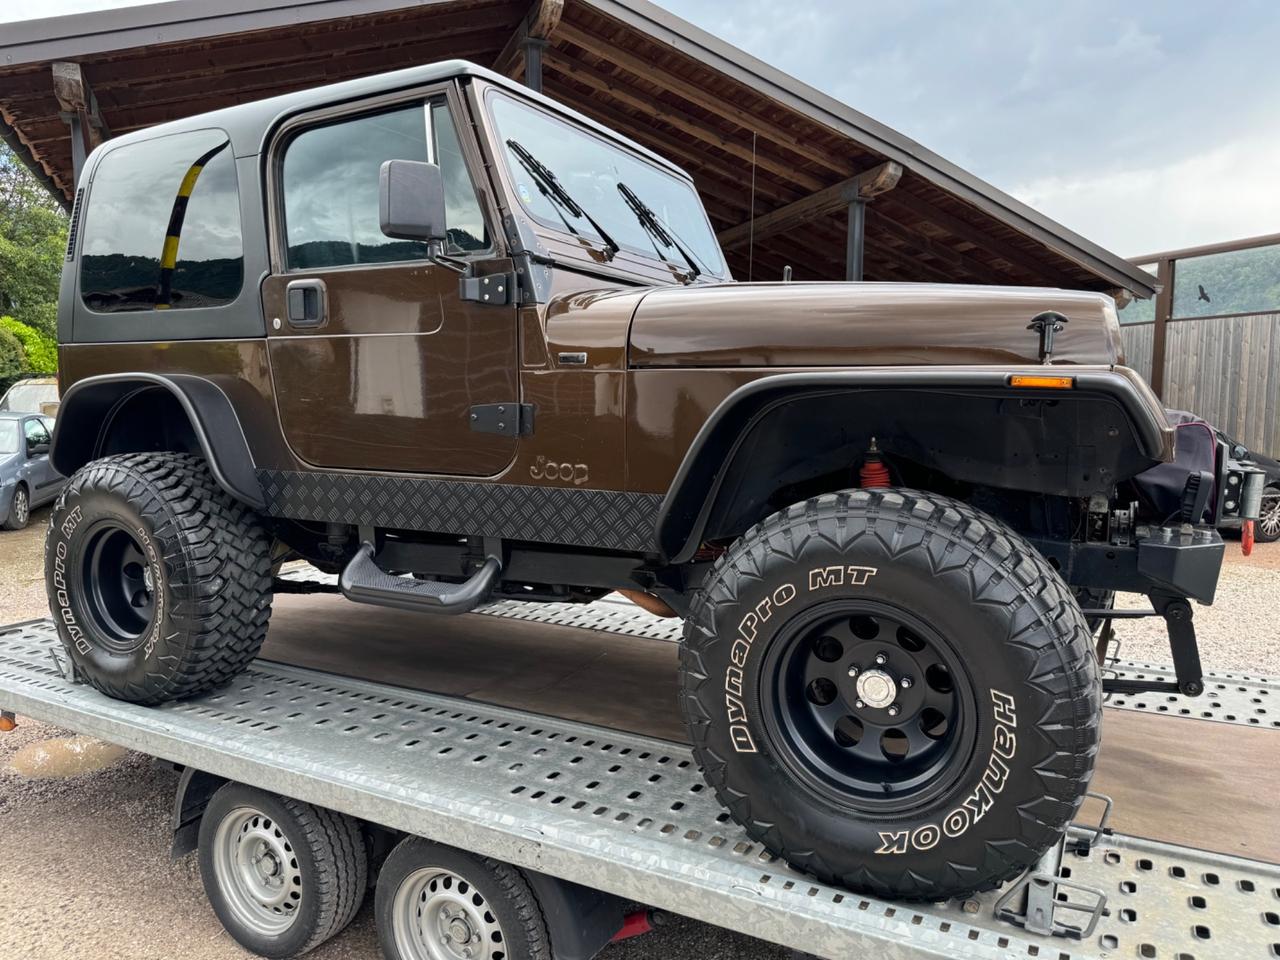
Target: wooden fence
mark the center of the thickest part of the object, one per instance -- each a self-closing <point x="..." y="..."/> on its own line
<point x="1224" y="369"/>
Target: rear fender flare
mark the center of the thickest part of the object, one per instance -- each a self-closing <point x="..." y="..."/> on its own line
<point x="693" y="492"/>
<point x="89" y="409"/>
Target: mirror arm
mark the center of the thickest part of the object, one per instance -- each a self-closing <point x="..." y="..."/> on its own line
<point x="436" y="254"/>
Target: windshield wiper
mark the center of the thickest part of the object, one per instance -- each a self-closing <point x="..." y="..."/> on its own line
<point x="658" y="231"/>
<point x="551" y="188"/>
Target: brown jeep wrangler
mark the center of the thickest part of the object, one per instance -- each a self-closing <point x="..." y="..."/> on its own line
<point x="455" y="342"/>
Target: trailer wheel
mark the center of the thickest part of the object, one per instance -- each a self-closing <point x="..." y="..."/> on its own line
<point x="892" y="691"/>
<point x="159" y="582"/>
<point x="435" y="902"/>
<point x="282" y="876"/>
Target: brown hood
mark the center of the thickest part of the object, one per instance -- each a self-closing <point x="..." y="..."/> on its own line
<point x="865" y="324"/>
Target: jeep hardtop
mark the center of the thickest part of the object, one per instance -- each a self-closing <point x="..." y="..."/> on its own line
<point x="455" y="342"/>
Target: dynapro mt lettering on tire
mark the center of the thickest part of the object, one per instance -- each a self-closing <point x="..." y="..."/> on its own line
<point x="159" y="583"/>
<point x="894" y="692"/>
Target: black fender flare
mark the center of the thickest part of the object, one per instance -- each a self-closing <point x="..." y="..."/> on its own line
<point x="87" y="410"/>
<point x="687" y="505"/>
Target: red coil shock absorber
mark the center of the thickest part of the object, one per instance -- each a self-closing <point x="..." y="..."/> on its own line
<point x="873" y="472"/>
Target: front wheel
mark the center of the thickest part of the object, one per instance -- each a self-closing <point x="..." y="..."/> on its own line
<point x="893" y="692"/>
<point x="158" y="581"/>
<point x="1267" y="528"/>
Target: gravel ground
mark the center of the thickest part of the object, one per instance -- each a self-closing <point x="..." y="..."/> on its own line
<point x="114" y="892"/>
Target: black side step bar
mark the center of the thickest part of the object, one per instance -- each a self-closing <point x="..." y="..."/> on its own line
<point x="363" y="581"/>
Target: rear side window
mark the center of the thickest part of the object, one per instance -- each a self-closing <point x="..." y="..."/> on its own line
<point x="330" y="185"/>
<point x="162" y="228"/>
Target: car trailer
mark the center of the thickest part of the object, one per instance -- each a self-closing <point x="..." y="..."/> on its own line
<point x="585" y="819"/>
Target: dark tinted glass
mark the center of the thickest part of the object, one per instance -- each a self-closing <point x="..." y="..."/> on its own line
<point x="331" y="188"/>
<point x="162" y="230"/>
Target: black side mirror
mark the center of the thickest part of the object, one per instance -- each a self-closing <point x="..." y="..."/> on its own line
<point x="411" y="200"/>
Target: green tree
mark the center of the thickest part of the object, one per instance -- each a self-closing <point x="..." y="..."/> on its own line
<point x="11" y="359"/>
<point x="33" y="239"/>
<point x="40" y="351"/>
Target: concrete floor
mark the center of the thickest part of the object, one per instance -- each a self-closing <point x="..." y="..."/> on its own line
<point x="84" y="848"/>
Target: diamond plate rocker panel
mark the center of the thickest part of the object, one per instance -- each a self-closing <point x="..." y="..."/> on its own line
<point x="591" y="518"/>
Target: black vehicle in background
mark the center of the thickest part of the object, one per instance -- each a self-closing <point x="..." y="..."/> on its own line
<point x="1267" y="526"/>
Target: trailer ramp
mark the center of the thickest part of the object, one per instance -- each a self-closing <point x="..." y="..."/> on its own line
<point x="622" y="813"/>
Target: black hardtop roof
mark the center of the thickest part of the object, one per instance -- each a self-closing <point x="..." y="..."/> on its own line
<point x="250" y="124"/>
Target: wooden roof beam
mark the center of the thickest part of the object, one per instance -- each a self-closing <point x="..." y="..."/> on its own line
<point x="75" y="96"/>
<point x="535" y="29"/>
<point x="870" y="183"/>
<point x="963" y="230"/>
<point x="619" y="55"/>
<point x="621" y="91"/>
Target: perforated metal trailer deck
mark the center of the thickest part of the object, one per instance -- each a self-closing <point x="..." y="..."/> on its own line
<point x="622" y="813"/>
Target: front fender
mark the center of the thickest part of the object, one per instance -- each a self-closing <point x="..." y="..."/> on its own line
<point x="89" y="408"/>
<point x="715" y="450"/>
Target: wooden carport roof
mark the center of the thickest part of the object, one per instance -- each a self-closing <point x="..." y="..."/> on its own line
<point x="627" y="63"/>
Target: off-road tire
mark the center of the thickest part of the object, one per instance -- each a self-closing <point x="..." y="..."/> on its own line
<point x="206" y="560"/>
<point x="1021" y="635"/>
<point x="18" y="517"/>
<point x="503" y="888"/>
<point x="331" y="859"/>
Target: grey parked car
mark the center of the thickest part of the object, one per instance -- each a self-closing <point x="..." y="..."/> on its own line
<point x="27" y="478"/>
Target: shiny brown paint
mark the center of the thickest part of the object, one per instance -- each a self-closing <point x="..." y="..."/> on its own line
<point x="389" y="381"/>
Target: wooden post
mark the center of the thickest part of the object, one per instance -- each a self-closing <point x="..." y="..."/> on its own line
<point x="855" y="241"/>
<point x="525" y="45"/>
<point x="1164" y="313"/>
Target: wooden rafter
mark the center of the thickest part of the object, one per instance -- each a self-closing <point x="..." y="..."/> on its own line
<point x="864" y="186"/>
<point x="538" y="24"/>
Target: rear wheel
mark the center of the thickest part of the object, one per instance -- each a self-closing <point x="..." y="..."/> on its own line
<point x="439" y="903"/>
<point x="1267" y="529"/>
<point x="894" y="692"/>
<point x="159" y="582"/>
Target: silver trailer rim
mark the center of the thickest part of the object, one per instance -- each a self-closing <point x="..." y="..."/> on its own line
<point x="1269" y="521"/>
<point x="20" y="507"/>
<point x="257" y="871"/>
<point x="438" y="915"/>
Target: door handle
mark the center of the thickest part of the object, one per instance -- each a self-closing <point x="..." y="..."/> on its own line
<point x="308" y="303"/>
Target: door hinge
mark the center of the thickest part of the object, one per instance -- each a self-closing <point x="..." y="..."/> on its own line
<point x="505" y="419"/>
<point x="497" y="289"/>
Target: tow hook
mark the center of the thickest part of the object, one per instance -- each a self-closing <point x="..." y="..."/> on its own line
<point x="8" y="722"/>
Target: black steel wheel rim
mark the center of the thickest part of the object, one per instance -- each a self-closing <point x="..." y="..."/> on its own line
<point x="118" y="587"/>
<point x="892" y="742"/>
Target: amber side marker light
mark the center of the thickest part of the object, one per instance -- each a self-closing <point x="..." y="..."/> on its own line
<point x="1042" y="383"/>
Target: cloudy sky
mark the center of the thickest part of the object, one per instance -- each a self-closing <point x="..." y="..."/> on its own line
<point x="1143" y="125"/>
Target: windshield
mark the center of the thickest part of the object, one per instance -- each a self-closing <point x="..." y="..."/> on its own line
<point x="8" y="436"/>
<point x="27" y="397"/>
<point x="590" y="169"/>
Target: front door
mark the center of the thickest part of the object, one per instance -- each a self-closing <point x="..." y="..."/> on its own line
<point x="376" y="360"/>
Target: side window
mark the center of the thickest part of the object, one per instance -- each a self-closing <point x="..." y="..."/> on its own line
<point x="329" y="181"/>
<point x="162" y="229"/>
<point x="36" y="433"/>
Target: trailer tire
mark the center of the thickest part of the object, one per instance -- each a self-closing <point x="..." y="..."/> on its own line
<point x="893" y="692"/>
<point x="159" y="582"/>
<point x="429" y="890"/>
<point x="314" y="882"/>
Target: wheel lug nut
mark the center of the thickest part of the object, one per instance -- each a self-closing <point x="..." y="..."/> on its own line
<point x="882" y="659"/>
<point x="859" y="704"/>
<point x="894" y="710"/>
<point x="905" y="683"/>
<point x="853" y="670"/>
